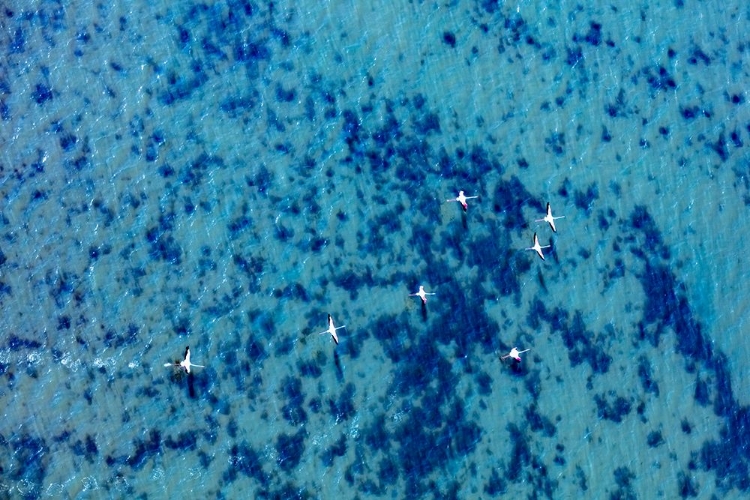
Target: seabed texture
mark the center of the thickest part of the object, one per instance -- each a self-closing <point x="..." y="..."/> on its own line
<point x="226" y="174"/>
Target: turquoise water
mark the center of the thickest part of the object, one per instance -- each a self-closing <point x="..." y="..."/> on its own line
<point x="224" y="175"/>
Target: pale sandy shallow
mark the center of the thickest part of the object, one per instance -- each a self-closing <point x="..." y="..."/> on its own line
<point x="226" y="176"/>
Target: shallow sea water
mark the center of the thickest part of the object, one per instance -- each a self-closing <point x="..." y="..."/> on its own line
<point x="224" y="175"/>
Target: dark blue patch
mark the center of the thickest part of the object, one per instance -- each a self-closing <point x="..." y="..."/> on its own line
<point x="261" y="181"/>
<point x="482" y="163"/>
<point x="15" y="343"/>
<point x="449" y="39"/>
<point x="184" y="441"/>
<point x="107" y="212"/>
<point x="654" y="439"/>
<point x="533" y="384"/>
<point x="516" y="26"/>
<point x="68" y="141"/>
<point x="137" y="126"/>
<point x="495" y="484"/>
<point x="247" y="461"/>
<point x="290" y="449"/>
<point x="720" y="147"/>
<point x="421" y="453"/>
<point x="686" y="485"/>
<point x="310" y="108"/>
<point x="350" y="129"/>
<point x="183" y="36"/>
<point x="422" y="365"/>
<point x="182" y="87"/>
<point x="147" y="391"/>
<point x="293" y="410"/>
<point x="642" y="221"/>
<point x="555" y="143"/>
<point x="152" y="153"/>
<point x="166" y="170"/>
<point x="615" y="410"/>
<point x="580" y="346"/>
<point x="5" y="113"/>
<point x="115" y="340"/>
<point x="31" y="455"/>
<point x="251" y="51"/>
<point x="697" y="55"/>
<point x="376" y="436"/>
<point x="281" y="35"/>
<point x="63" y="323"/>
<point x="211" y="50"/>
<point x="465" y="433"/>
<point x="315" y="244"/>
<point x="237" y="226"/>
<point x="63" y="437"/>
<point x="689" y="112"/>
<point x="559" y="459"/>
<point x="450" y="167"/>
<point x="520" y="455"/>
<point x="252" y="269"/>
<point x="283" y="233"/>
<point x="144" y="449"/>
<point x="585" y="199"/>
<point x="484" y="383"/>
<point x="41" y="94"/>
<point x="415" y="156"/>
<point x="722" y="460"/>
<point x="196" y="172"/>
<point x="308" y="368"/>
<point x="235" y="106"/>
<point x="734" y="136"/>
<point x="509" y="199"/>
<point x="295" y="292"/>
<point x="724" y="403"/>
<point x="37" y="195"/>
<point x="490" y="6"/>
<point x="87" y="449"/>
<point x="686" y="427"/>
<point x="615" y="109"/>
<point x="181" y="326"/>
<point x="18" y="42"/>
<point x="163" y="246"/>
<point x="338" y="449"/>
<point x="343" y="408"/>
<point x="548" y="53"/>
<point x="232" y="427"/>
<point x="83" y="36"/>
<point x="284" y="95"/>
<point x="573" y="55"/>
<point x="658" y="78"/>
<point x="352" y="282"/>
<point x="623" y="479"/>
<point x="264" y="322"/>
<point x="387" y="471"/>
<point x="93" y="253"/>
<point x="593" y="37"/>
<point x="644" y="373"/>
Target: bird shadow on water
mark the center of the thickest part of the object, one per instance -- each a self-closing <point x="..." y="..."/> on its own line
<point x="516" y="367"/>
<point x="191" y="386"/>
<point x="339" y="370"/>
<point x="424" y="312"/>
